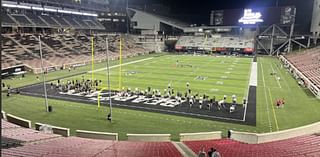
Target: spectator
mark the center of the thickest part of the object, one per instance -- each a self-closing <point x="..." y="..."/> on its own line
<point x="18" y="91"/>
<point x="9" y="90"/>
<point x="210" y="152"/>
<point x="244" y="102"/>
<point x="215" y="153"/>
<point x="278" y="103"/>
<point x="202" y="153"/>
<point x="282" y="102"/>
<point x="200" y="103"/>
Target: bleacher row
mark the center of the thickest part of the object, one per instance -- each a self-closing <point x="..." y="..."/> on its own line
<point x="35" y="143"/>
<point x="211" y="42"/>
<point x="303" y="146"/>
<point x="52" y="21"/>
<point x="61" y="49"/>
<point x="308" y="63"/>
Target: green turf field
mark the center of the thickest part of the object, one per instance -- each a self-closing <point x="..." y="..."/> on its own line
<point x="30" y="78"/>
<point x="301" y="106"/>
<point x="213" y="76"/>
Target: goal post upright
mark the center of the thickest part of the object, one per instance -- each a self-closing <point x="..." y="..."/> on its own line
<point x="92" y="59"/>
<point x="120" y="64"/>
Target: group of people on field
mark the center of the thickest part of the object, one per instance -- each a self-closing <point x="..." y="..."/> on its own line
<point x="280" y="103"/>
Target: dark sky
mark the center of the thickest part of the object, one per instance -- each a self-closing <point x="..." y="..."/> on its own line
<point x="199" y="10"/>
<point x="204" y="6"/>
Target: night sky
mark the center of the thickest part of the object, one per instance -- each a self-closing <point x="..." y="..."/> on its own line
<point x="198" y="11"/>
<point x="205" y="6"/>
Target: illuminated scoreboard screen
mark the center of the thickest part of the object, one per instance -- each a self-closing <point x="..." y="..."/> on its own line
<point x="253" y="16"/>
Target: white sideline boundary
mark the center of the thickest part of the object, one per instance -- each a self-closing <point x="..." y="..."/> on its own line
<point x="253" y="81"/>
<point x="137" y="61"/>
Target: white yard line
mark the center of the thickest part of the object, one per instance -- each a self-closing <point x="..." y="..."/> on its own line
<point x="263" y="80"/>
<point x="137" y="61"/>
<point x="265" y="96"/>
<point x="282" y="77"/>
<point x="276" y="77"/>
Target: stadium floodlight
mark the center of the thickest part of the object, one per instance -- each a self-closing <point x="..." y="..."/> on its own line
<point x="44" y="77"/>
<point x="9" y="5"/>
<point x="37" y="8"/>
<point x="49" y="9"/>
<point x="64" y="11"/>
<point x="16" y="6"/>
<point x="76" y="13"/>
<point x="89" y="14"/>
<point x="23" y="7"/>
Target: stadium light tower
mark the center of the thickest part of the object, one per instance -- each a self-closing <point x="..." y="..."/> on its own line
<point x="44" y="77"/>
<point x="128" y="17"/>
<point x="109" y="117"/>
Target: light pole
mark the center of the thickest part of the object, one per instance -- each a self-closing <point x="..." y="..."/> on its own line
<point x="44" y="77"/>
<point x="108" y="75"/>
<point x="128" y="17"/>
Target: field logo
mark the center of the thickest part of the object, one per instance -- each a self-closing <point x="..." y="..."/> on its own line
<point x="250" y="17"/>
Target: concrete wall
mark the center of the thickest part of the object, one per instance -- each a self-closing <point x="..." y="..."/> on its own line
<point x="253" y="138"/>
<point x="55" y="129"/>
<point x="200" y="136"/>
<point x="149" y="137"/>
<point x="97" y="135"/>
<point x="3" y="115"/>
<point x="19" y="121"/>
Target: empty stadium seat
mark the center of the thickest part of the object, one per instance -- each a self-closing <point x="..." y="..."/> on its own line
<point x="295" y="147"/>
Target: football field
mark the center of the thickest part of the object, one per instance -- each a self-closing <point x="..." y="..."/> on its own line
<point x="209" y="75"/>
<point x="301" y="108"/>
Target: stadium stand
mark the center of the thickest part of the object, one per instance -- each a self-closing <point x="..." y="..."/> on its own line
<point x="8" y="47"/>
<point x="214" y="42"/>
<point x="61" y="21"/>
<point x="12" y="131"/>
<point x="7" y="20"/>
<point x="61" y="49"/>
<point x="37" y="20"/>
<point x="22" y="20"/>
<point x="298" y="146"/>
<point x="18" y="141"/>
<point x="28" y="142"/>
<point x="308" y="63"/>
<point x="50" y="21"/>
<point x="72" y="22"/>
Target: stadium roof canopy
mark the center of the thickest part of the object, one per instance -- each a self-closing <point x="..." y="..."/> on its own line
<point x="149" y="21"/>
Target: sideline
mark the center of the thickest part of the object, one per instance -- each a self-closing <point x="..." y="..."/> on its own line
<point x="137" y="61"/>
<point x="274" y="112"/>
<point x="265" y="95"/>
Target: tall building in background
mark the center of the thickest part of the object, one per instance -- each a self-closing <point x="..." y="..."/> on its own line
<point x="315" y="24"/>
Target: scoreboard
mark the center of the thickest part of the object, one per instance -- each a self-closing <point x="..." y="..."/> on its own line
<point x="253" y="16"/>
